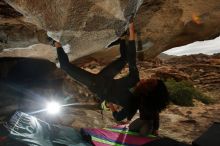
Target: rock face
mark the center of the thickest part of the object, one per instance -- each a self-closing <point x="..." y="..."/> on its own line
<point x="86" y="25"/>
<point x="90" y="25"/>
<point x="7" y="11"/>
<point x="175" y="22"/>
<point x="14" y="32"/>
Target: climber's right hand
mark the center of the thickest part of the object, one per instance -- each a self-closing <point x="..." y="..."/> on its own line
<point x="57" y="44"/>
<point x="54" y="43"/>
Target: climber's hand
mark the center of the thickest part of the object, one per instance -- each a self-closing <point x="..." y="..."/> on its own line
<point x="54" y="43"/>
<point x="131" y="31"/>
<point x="57" y="45"/>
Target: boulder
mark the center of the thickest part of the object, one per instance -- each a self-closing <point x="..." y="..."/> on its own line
<point x="90" y="25"/>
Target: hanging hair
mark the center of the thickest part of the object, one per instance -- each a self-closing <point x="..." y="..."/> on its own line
<point x="152" y="94"/>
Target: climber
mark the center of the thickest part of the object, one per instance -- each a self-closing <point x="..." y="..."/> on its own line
<point x="124" y="92"/>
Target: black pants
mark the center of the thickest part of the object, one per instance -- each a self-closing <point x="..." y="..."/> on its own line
<point x="103" y="83"/>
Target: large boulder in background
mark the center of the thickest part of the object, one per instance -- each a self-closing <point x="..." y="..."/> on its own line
<point x="90" y="25"/>
<point x="173" y="23"/>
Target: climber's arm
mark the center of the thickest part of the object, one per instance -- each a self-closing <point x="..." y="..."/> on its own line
<point x="74" y="71"/>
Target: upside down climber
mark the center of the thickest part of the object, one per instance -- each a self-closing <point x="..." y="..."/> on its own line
<point x="148" y="96"/>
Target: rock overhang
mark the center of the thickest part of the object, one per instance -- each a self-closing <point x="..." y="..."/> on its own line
<point x="89" y="26"/>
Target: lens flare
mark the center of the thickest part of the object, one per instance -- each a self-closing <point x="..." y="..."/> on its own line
<point x="53" y="108"/>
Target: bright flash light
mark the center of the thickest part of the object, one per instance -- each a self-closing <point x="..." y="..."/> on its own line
<point x="53" y="108"/>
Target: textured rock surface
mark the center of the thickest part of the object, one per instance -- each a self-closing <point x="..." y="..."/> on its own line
<point x="86" y="25"/>
<point x="177" y="22"/>
<point x="89" y="25"/>
<point x="14" y="32"/>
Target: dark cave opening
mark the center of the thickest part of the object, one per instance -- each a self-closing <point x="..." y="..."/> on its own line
<point x="27" y="83"/>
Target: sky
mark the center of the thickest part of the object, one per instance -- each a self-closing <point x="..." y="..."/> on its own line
<point x="206" y="47"/>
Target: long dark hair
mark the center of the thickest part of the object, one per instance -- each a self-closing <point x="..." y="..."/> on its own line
<point x="152" y="94"/>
